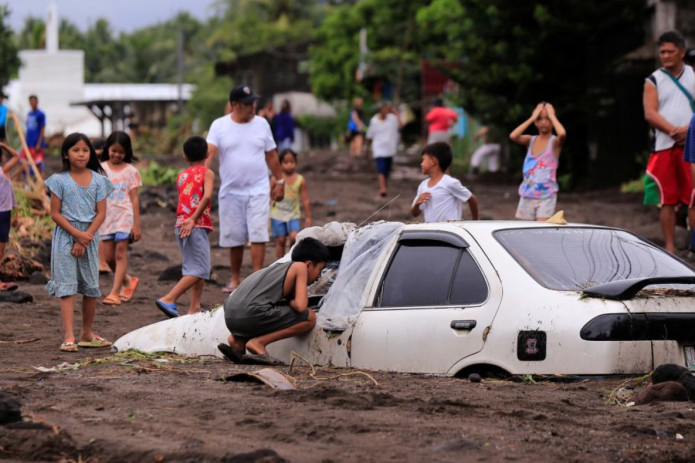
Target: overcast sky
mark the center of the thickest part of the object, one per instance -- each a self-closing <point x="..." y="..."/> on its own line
<point x="123" y="15"/>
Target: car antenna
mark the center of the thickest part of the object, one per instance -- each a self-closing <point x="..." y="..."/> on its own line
<point x="383" y="206"/>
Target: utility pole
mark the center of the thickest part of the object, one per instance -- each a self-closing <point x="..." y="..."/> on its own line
<point x="179" y="66"/>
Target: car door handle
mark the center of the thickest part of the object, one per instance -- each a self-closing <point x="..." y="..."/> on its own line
<point x="463" y="324"/>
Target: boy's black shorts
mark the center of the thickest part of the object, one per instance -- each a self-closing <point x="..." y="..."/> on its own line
<point x="257" y="321"/>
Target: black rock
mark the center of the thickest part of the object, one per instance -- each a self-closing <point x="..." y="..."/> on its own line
<point x="474" y="378"/>
<point x="678" y="373"/>
<point x="9" y="409"/>
<point x="688" y="381"/>
<point x="44" y="256"/>
<point x="38" y="278"/>
<point x="27" y="243"/>
<point x="668" y="372"/>
<point x="170" y="274"/>
<point x="154" y="255"/>
<point x="17" y="297"/>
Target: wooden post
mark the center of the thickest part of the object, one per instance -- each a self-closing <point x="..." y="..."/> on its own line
<point x="37" y="184"/>
<point x="25" y="148"/>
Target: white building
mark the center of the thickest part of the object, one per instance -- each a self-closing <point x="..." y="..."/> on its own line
<point x="56" y="77"/>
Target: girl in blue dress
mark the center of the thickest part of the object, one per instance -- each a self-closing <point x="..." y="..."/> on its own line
<point x="78" y="207"/>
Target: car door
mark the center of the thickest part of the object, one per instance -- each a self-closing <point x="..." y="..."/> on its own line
<point x="433" y="305"/>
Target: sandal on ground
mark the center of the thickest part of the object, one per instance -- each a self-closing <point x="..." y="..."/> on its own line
<point x="112" y="299"/>
<point x="169" y="310"/>
<point x="97" y="341"/>
<point x="104" y="270"/>
<point x="68" y="346"/>
<point x="230" y="354"/>
<point x="8" y="286"/>
<point x="128" y="291"/>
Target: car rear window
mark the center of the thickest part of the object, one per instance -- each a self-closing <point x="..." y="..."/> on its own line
<point x="577" y="258"/>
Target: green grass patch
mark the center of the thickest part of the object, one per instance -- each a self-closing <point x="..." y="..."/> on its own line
<point x="155" y="174"/>
<point x="633" y="186"/>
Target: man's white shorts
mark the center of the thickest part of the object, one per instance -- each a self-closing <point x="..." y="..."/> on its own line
<point x="439" y="136"/>
<point x="240" y="214"/>
<point x="533" y="209"/>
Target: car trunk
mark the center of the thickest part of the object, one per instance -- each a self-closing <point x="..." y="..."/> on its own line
<point x="663" y="317"/>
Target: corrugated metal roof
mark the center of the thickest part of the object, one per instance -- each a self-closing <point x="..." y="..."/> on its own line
<point x="135" y="92"/>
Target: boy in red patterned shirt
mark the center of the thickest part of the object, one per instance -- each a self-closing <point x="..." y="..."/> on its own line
<point x="193" y="223"/>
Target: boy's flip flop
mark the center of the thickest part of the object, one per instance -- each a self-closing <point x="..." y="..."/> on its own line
<point x="96" y="342"/>
<point x="128" y="291"/>
<point x="231" y="354"/>
<point x="261" y="359"/>
<point x="168" y="309"/>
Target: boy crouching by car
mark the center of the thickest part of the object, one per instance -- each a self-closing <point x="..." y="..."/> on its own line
<point x="273" y="304"/>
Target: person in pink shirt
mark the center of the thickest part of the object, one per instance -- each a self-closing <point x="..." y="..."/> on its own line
<point x="440" y="120"/>
<point x="122" y="223"/>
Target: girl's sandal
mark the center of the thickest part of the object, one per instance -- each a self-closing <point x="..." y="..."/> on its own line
<point x="68" y="346"/>
<point x="96" y="342"/>
<point x="128" y="291"/>
<point x="112" y="299"/>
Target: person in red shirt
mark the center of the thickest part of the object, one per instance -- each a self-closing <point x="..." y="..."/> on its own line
<point x="440" y="120"/>
<point x="193" y="224"/>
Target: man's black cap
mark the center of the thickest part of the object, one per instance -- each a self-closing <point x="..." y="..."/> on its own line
<point x="243" y="94"/>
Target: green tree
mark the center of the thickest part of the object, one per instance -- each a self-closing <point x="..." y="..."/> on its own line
<point x="69" y="36"/>
<point x="9" y="61"/>
<point x="33" y="34"/>
<point x="509" y="55"/>
<point x="394" y="54"/>
<point x="245" y="26"/>
<point x="209" y="98"/>
<point x="240" y="27"/>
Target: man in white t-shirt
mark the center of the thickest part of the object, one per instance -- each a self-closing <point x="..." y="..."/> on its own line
<point x="247" y="150"/>
<point x="668" y="106"/>
<point x="383" y="136"/>
<point x="440" y="197"/>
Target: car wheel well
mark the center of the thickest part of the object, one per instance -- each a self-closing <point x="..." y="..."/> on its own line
<point x="485" y="370"/>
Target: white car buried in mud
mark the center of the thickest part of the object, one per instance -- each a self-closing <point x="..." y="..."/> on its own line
<point x="492" y="297"/>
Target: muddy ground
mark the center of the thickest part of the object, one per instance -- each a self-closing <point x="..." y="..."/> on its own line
<point x="142" y="409"/>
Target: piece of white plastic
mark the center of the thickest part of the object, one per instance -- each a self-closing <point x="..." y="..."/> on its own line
<point x="363" y="249"/>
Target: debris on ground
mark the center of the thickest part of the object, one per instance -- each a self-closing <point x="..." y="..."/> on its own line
<point x="268" y="376"/>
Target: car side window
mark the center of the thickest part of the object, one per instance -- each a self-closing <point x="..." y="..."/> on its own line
<point x="419" y="275"/>
<point x="469" y="285"/>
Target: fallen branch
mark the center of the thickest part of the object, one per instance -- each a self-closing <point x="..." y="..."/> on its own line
<point x="20" y="341"/>
<point x="295" y="356"/>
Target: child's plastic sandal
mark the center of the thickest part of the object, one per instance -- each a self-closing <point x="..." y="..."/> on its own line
<point x="96" y="342"/>
<point x="68" y="346"/>
<point x="112" y="299"/>
<point x="128" y="291"/>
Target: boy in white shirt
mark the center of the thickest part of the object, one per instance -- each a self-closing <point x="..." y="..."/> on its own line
<point x="441" y="197"/>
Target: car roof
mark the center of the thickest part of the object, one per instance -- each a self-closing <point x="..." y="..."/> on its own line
<point x="489" y="226"/>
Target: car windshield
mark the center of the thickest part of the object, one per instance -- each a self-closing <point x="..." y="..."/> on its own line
<point x="577" y="258"/>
